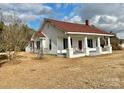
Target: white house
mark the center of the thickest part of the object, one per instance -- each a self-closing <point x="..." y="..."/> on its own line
<point x="70" y="39"/>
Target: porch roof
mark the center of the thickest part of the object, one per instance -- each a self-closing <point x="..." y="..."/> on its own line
<point x="69" y="27"/>
<point x="39" y="34"/>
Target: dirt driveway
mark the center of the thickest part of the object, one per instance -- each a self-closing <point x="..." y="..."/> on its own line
<point x="106" y="71"/>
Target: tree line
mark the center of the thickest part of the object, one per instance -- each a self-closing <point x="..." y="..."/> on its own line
<point x="14" y="37"/>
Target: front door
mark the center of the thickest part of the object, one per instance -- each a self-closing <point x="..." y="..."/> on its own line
<point x="80" y="45"/>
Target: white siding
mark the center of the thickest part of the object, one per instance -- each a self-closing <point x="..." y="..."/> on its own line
<point x="53" y="34"/>
<point x="28" y="49"/>
<point x="60" y="43"/>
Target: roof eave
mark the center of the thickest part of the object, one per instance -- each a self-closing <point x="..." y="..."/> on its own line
<point x="82" y="33"/>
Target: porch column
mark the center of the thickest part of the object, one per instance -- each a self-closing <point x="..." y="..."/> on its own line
<point x="109" y="47"/>
<point x="98" y="42"/>
<point x="69" y="42"/>
<point x="33" y="47"/>
<point x="99" y="48"/>
<point x="109" y="41"/>
<point x="70" y="49"/>
<point x="86" y="49"/>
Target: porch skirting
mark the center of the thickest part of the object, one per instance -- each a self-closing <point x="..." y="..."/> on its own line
<point x="71" y="54"/>
<point x="88" y="52"/>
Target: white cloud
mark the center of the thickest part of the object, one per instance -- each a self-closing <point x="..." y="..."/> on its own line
<point x="26" y="17"/>
<point x="104" y="20"/>
<point x="107" y="19"/>
<point x="74" y="19"/>
<point x="89" y="10"/>
<point x="107" y="16"/>
<point x="26" y="12"/>
<point x="95" y="19"/>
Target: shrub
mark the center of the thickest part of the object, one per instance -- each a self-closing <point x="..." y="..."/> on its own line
<point x="115" y="42"/>
<point x="116" y="47"/>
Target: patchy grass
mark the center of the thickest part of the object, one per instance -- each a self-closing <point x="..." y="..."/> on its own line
<point x="105" y="71"/>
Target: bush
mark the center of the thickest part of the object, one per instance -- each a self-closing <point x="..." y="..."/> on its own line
<point x="115" y="42"/>
<point x="116" y="46"/>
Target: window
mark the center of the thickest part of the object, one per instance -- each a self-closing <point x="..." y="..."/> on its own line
<point x="38" y="44"/>
<point x="71" y="42"/>
<point x="32" y="44"/>
<point x="80" y="44"/>
<point x="50" y="45"/>
<point x="96" y="43"/>
<point x="90" y="43"/>
<point x="65" y="43"/>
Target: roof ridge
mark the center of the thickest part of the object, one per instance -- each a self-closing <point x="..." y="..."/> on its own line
<point x="64" y="21"/>
<point x="75" y="27"/>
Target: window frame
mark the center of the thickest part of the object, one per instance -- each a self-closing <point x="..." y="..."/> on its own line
<point x="90" y="43"/>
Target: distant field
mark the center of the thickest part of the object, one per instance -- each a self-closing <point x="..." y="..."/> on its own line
<point x="106" y="71"/>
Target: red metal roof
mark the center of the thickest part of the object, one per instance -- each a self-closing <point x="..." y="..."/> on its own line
<point x="39" y="34"/>
<point x="74" y="27"/>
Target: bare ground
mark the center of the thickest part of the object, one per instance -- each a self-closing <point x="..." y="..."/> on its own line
<point x="106" y="71"/>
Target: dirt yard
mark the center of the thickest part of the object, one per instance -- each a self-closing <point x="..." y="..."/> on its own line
<point x="106" y="71"/>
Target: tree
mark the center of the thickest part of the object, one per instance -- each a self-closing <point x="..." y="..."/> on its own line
<point x="15" y="38"/>
<point x="1" y="25"/>
<point x="115" y="42"/>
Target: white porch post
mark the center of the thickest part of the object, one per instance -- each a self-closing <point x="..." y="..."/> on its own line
<point x="69" y="42"/>
<point x="86" y="46"/>
<point x="109" y="47"/>
<point x="70" y="49"/>
<point x="98" y="41"/>
<point x="32" y="46"/>
<point x="109" y="41"/>
<point x="35" y="46"/>
<point x="99" y="48"/>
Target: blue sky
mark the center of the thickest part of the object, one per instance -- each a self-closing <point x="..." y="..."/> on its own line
<point x="59" y="12"/>
<point x="109" y="17"/>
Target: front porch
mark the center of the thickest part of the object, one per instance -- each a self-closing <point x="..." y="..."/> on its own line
<point x="74" y="46"/>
